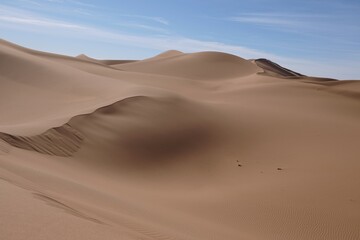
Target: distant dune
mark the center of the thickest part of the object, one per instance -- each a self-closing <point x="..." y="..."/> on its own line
<point x="193" y="146"/>
<point x="199" y="66"/>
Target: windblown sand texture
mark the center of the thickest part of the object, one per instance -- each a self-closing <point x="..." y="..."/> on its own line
<point x="193" y="146"/>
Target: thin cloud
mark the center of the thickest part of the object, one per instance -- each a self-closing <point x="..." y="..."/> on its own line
<point x="277" y="19"/>
<point x="53" y="7"/>
<point x="39" y="22"/>
<point x="75" y="2"/>
<point x="55" y="1"/>
<point x="84" y="4"/>
<point x="143" y="26"/>
<point x="30" y="2"/>
<point x="316" y="25"/>
<point x="155" y="19"/>
<point x="264" y="20"/>
<point x="293" y="20"/>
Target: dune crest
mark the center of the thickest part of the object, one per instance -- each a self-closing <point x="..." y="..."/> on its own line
<point x="169" y="53"/>
<point x="276" y="69"/>
<point x="87" y="58"/>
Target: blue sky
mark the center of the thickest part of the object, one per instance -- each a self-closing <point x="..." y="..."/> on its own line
<point x="314" y="37"/>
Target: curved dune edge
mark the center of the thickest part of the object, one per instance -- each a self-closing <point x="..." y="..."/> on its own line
<point x="62" y="141"/>
<point x="67" y="139"/>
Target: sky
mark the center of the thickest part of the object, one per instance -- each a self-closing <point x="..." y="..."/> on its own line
<point x="313" y="37"/>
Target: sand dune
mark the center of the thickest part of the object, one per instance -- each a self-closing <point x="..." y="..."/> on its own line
<point x="179" y="146"/>
<point x="202" y="66"/>
<point x="169" y="53"/>
<point x="87" y="58"/>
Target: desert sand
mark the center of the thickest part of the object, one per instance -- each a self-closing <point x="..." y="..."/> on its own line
<point x="193" y="146"/>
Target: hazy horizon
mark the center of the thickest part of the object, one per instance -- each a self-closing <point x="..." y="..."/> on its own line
<point x="319" y="38"/>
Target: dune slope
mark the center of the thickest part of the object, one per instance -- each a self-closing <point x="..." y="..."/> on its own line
<point x="271" y="67"/>
<point x="179" y="146"/>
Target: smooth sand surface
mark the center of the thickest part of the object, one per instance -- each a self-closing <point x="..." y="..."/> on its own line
<point x="193" y="146"/>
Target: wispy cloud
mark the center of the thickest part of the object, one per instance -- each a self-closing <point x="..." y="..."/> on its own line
<point x="84" y="4"/>
<point x="264" y="21"/>
<point x="52" y="7"/>
<point x="39" y="22"/>
<point x="304" y="22"/>
<point x="151" y="18"/>
<point x="30" y="2"/>
<point x="75" y="2"/>
<point x="143" y="26"/>
<point x="316" y="26"/>
<point x="278" y="19"/>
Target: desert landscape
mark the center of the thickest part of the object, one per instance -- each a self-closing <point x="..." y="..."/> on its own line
<point x="195" y="146"/>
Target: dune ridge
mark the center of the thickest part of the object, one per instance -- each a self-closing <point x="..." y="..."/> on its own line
<point x="192" y="146"/>
<point x="62" y="141"/>
<point x="275" y="68"/>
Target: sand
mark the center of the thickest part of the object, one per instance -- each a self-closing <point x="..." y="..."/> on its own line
<point x="193" y="146"/>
